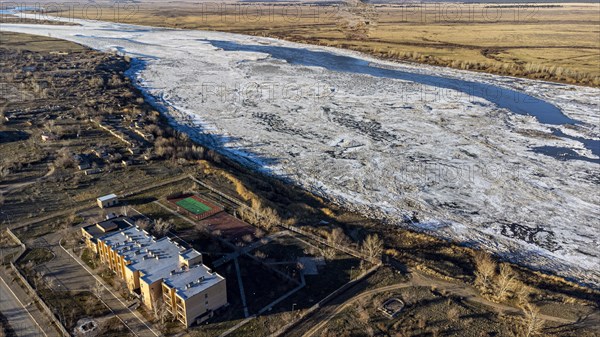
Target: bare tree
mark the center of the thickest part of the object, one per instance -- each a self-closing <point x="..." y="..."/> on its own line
<point x="505" y="281"/>
<point x="259" y="233"/>
<point x="49" y="126"/>
<point x="453" y="314"/>
<point x="269" y="218"/>
<point x="4" y="171"/>
<point x="125" y="210"/>
<point x="337" y="236"/>
<point x="162" y="315"/>
<point x="247" y="214"/>
<point x="67" y="237"/>
<point x="143" y="224"/>
<point x="64" y="159"/>
<point x="162" y="227"/>
<point x="486" y="269"/>
<point x="372" y="247"/>
<point x="523" y="293"/>
<point x="532" y="322"/>
<point x="265" y="217"/>
<point x="98" y="289"/>
<point x="260" y="255"/>
<point x="51" y="282"/>
<point x="362" y="312"/>
<point x="38" y="279"/>
<point x="328" y="253"/>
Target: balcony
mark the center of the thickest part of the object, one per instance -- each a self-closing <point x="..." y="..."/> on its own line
<point x="170" y="310"/>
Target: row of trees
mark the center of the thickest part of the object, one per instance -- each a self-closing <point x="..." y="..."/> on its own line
<point x="158" y="227"/>
<point x="178" y="146"/>
<point x="498" y="282"/>
<point x="263" y="217"/>
<point x="267" y="218"/>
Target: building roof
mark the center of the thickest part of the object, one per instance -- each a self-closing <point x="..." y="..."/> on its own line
<point x="102" y="228"/>
<point x="142" y="251"/>
<point x="107" y="197"/>
<point x="191" y="281"/>
<point x="157" y="259"/>
<point x="190" y="254"/>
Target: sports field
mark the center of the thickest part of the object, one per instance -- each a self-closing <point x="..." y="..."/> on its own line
<point x="192" y="205"/>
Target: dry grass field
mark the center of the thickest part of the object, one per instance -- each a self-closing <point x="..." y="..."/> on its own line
<point x="557" y="42"/>
<point x="23" y="42"/>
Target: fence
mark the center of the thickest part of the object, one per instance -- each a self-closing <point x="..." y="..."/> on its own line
<point x="319" y="239"/>
<point x="19" y="242"/>
<point x="228" y="197"/>
<point x="15" y="238"/>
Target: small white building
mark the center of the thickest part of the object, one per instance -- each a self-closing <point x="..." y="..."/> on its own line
<point x="107" y="201"/>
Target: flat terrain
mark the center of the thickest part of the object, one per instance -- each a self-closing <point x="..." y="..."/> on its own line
<point x="556" y="42"/>
<point x="417" y="147"/>
<point x="35" y="174"/>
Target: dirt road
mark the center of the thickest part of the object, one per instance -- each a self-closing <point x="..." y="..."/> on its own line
<point x="468" y="293"/>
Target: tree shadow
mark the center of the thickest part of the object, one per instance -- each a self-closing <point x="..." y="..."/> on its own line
<point x="13" y="136"/>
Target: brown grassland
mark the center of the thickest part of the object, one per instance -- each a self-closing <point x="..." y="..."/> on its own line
<point x="557" y="42"/>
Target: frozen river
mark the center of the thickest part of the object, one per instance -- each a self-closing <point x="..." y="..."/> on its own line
<point x="514" y="100"/>
<point x="509" y="164"/>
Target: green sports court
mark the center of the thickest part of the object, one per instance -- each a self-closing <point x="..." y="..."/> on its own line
<point x="193" y="206"/>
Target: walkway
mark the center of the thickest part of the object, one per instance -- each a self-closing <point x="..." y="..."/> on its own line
<point x="241" y="285"/>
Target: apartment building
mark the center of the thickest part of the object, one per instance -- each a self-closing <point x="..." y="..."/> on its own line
<point x="92" y="233"/>
<point x="162" y="272"/>
<point x="193" y="292"/>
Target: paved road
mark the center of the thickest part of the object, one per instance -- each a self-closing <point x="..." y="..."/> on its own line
<point x="67" y="274"/>
<point x="73" y="274"/>
<point x="21" y="319"/>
